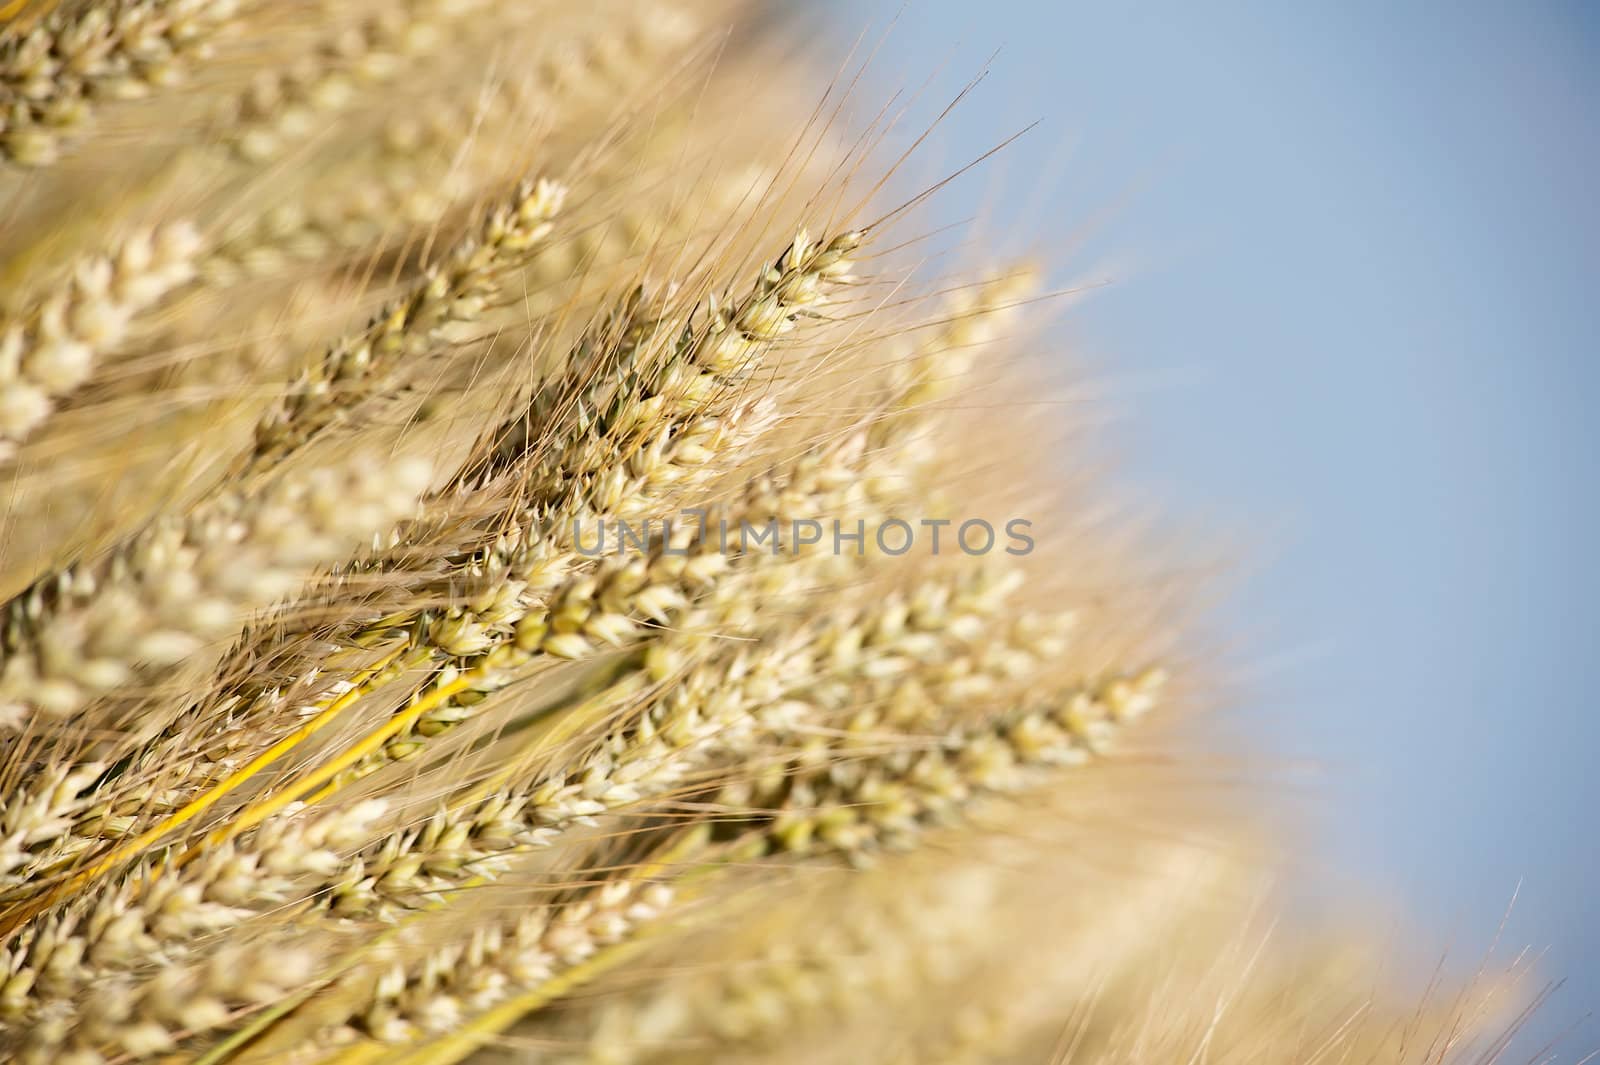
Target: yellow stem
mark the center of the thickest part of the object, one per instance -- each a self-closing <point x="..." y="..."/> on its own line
<point x="254" y="814"/>
<point x="362" y="685"/>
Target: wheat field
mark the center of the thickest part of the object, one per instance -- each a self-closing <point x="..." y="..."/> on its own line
<point x="473" y="484"/>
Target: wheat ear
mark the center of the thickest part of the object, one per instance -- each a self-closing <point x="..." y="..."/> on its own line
<point x="52" y="75"/>
<point x="50" y="349"/>
<point x="453" y="293"/>
<point x="186" y="583"/>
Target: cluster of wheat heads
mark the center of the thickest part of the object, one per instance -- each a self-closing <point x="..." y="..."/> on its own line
<point x="331" y="336"/>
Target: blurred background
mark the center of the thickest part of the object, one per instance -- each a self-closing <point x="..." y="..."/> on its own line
<point x="1354" y="254"/>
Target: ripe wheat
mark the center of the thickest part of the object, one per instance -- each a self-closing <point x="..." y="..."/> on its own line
<point x="331" y="336"/>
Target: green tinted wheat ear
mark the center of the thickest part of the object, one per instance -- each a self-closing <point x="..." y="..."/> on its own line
<point x="49" y="349"/>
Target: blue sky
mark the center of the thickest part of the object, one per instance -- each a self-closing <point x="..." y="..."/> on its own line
<point x="1356" y="255"/>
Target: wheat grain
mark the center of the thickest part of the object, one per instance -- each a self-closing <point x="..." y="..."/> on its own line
<point x="718" y="711"/>
<point x="123" y="1021"/>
